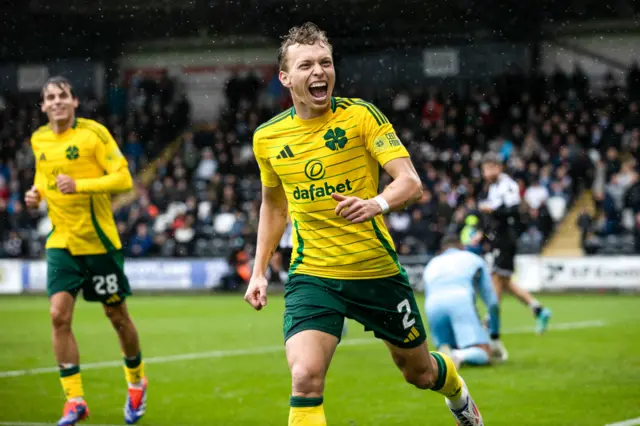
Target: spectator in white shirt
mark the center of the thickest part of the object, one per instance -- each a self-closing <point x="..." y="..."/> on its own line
<point x="536" y="195"/>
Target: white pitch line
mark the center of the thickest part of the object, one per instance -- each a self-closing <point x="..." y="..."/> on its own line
<point x="630" y="422"/>
<point x="269" y="349"/>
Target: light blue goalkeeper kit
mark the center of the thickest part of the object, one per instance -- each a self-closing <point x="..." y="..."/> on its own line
<point x="451" y="282"/>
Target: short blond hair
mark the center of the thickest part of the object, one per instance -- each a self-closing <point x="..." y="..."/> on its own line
<point x="307" y="33"/>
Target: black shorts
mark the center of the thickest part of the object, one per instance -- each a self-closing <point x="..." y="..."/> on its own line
<point x="504" y="256"/>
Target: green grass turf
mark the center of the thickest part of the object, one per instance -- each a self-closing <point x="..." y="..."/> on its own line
<point x="588" y="376"/>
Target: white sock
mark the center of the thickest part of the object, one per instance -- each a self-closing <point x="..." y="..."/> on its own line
<point x="460" y="401"/>
<point x="135" y="385"/>
<point x="77" y="399"/>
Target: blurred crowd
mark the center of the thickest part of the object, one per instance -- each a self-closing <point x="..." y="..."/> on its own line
<point x="142" y="122"/>
<point x="555" y="134"/>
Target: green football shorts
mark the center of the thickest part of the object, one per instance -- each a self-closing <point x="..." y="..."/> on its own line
<point x="100" y="277"/>
<point x="386" y="306"/>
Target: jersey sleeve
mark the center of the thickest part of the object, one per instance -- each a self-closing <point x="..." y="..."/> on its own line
<point x="117" y="177"/>
<point x="268" y="176"/>
<point x="380" y="137"/>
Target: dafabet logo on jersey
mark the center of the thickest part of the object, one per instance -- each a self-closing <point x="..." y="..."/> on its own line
<point x="315" y="170"/>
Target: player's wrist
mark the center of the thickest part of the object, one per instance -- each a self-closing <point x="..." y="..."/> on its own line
<point x="382" y="203"/>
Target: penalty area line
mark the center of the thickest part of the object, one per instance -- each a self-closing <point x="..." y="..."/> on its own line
<point x="272" y="349"/>
<point x="630" y="422"/>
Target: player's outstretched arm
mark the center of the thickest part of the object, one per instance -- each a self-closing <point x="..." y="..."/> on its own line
<point x="117" y="178"/>
<point x="273" y="221"/>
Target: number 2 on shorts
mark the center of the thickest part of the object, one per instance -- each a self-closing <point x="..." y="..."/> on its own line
<point x="406" y="306"/>
<point x="111" y="282"/>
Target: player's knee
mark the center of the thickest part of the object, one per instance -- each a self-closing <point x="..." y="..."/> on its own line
<point x="422" y="378"/>
<point x="118" y="318"/>
<point x="60" y="318"/>
<point x="307" y="379"/>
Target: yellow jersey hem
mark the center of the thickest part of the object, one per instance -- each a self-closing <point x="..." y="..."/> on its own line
<point x="80" y="252"/>
<point x="347" y="275"/>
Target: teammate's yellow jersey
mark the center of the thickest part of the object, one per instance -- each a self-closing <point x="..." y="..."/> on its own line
<point x="83" y="222"/>
<point x="338" y="152"/>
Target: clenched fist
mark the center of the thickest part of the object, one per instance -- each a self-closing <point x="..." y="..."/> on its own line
<point x="256" y="294"/>
<point x="66" y="184"/>
<point x="354" y="209"/>
<point x="32" y="198"/>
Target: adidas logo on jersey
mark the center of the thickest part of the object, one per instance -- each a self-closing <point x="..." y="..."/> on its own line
<point x="285" y="153"/>
<point x="42" y="157"/>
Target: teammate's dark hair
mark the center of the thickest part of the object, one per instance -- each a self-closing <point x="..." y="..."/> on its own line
<point x="58" y="81"/>
<point x="307" y="33"/>
<point x="450" y="241"/>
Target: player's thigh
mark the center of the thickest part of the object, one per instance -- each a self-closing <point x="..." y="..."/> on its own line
<point x="312" y="303"/>
<point x="439" y="323"/>
<point x="388" y="307"/>
<point x="108" y="283"/>
<point x="65" y="273"/>
<point x="467" y="327"/>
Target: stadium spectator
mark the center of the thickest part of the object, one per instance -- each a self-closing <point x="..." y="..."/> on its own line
<point x="556" y="140"/>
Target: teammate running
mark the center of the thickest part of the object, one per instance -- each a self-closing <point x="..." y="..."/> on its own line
<point x="319" y="161"/>
<point x="78" y="167"/>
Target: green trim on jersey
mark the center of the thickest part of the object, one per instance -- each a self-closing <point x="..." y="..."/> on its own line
<point x="108" y="245"/>
<point x="50" y="232"/>
<point x="300" y="250"/>
<point x="276" y="119"/>
<point x="95" y="128"/>
<point x="375" y="112"/>
<point x="386" y="245"/>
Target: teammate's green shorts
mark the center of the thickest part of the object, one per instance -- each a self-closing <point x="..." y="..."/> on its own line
<point x="100" y="277"/>
<point x="386" y="306"/>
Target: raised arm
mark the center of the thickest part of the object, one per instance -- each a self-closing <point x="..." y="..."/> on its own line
<point x="117" y="178"/>
<point x="406" y="187"/>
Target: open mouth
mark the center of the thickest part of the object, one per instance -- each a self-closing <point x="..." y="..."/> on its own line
<point x="319" y="90"/>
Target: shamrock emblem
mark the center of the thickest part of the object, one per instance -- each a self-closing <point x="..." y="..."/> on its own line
<point x="72" y="152"/>
<point x="336" y="139"/>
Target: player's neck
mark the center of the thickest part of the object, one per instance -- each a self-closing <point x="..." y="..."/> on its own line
<point x="61" y="126"/>
<point x="305" y="112"/>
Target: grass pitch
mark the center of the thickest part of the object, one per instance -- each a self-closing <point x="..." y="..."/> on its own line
<point x="211" y="360"/>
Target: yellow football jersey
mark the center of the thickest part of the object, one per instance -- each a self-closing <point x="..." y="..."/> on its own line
<point x="341" y="151"/>
<point x="83" y="222"/>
